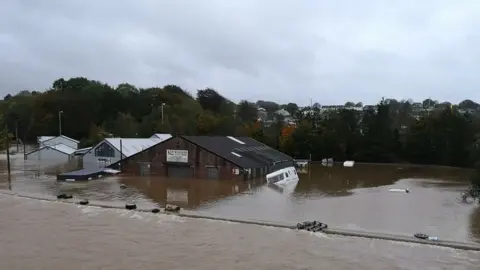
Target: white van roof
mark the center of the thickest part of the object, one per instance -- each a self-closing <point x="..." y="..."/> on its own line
<point x="280" y="171"/>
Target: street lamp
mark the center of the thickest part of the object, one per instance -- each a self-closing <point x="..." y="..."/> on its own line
<point x="60" y="122"/>
<point x="163" y="104"/>
<point x="16" y="132"/>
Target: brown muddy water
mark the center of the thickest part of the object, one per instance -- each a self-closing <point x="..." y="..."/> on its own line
<point x="42" y="235"/>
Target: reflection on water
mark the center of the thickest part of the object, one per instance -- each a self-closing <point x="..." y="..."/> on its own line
<point x="475" y="223"/>
<point x="355" y="198"/>
<point x="189" y="194"/>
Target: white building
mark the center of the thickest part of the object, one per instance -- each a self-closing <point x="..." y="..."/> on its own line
<point x="112" y="150"/>
<point x="283" y="113"/>
<point x="50" y="140"/>
<point x="161" y="136"/>
<point x="52" y="154"/>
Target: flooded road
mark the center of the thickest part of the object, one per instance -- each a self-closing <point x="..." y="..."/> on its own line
<point x="48" y="235"/>
<point x="355" y="198"/>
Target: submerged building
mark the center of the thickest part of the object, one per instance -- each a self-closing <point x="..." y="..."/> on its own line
<point x="112" y="150"/>
<point x="206" y="157"/>
<point x="53" y="149"/>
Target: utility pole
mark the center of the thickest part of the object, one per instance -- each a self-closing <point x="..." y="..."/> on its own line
<point x="60" y="122"/>
<point x="163" y="104"/>
<point x="121" y="156"/>
<point x="24" y="148"/>
<point x="7" y="142"/>
<point x="16" y="132"/>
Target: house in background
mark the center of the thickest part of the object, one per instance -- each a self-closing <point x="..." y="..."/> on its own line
<point x="112" y="150"/>
<point x="51" y="140"/>
<point x="262" y="114"/>
<point x="206" y="157"/>
<point x="53" y="154"/>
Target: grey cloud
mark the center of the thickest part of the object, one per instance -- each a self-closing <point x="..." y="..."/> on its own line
<point x="330" y="51"/>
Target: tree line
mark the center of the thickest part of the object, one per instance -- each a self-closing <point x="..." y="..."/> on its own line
<point x="391" y="131"/>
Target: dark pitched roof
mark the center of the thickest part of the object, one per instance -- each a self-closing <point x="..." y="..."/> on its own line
<point x="245" y="152"/>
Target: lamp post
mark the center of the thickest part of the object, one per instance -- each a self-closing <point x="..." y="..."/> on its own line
<point x="60" y="122"/>
<point x="16" y="132"/>
<point x="163" y="104"/>
<point x="7" y="144"/>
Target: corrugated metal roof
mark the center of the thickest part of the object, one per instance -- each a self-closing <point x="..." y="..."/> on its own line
<point x="47" y="138"/>
<point x="44" y="138"/>
<point x="162" y="136"/>
<point x="131" y="146"/>
<point x="83" y="150"/>
<point x="59" y="147"/>
<point x="63" y="148"/>
<point x="242" y="151"/>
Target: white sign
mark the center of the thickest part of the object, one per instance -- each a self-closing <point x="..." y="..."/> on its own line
<point x="177" y="156"/>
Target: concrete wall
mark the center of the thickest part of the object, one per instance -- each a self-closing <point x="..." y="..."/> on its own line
<point x="198" y="158"/>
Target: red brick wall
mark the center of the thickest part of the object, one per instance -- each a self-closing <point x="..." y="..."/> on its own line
<point x="197" y="157"/>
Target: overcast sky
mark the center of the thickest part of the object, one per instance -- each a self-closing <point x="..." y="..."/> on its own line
<point x="287" y="51"/>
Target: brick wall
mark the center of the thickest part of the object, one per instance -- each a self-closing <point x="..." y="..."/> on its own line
<point x="198" y="157"/>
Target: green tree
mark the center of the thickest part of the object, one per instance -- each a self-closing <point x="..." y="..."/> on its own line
<point x="247" y="111"/>
<point x="292" y="108"/>
<point x="125" y="126"/>
<point x="392" y="131"/>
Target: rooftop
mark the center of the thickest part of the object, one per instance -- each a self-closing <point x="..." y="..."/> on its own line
<point x="242" y="151"/>
<point x="59" y="147"/>
<point x="162" y="136"/>
<point x="44" y="138"/>
<point x="48" y="138"/>
<point x="63" y="148"/>
<point x="131" y="146"/>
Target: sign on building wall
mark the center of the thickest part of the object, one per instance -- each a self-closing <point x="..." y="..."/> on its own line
<point x="177" y="156"/>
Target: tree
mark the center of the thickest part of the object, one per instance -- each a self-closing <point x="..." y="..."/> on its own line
<point x="468" y="104"/>
<point x="3" y="133"/>
<point x="211" y="100"/>
<point x="125" y="89"/>
<point x="246" y="111"/>
<point x="391" y="131"/>
<point x="125" y="126"/>
<point x="428" y="103"/>
<point x="291" y="108"/>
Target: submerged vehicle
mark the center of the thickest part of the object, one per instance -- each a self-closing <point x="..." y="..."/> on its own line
<point x="286" y="177"/>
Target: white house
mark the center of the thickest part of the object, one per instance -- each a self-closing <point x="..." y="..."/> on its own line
<point x="52" y="153"/>
<point x="283" y="113"/>
<point x="112" y="150"/>
<point x="49" y="140"/>
<point x="161" y="136"/>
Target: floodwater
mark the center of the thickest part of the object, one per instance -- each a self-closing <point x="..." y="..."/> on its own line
<point x="356" y="198"/>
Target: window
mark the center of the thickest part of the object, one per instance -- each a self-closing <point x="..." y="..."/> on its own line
<point x="104" y="150"/>
<point x="281" y="177"/>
